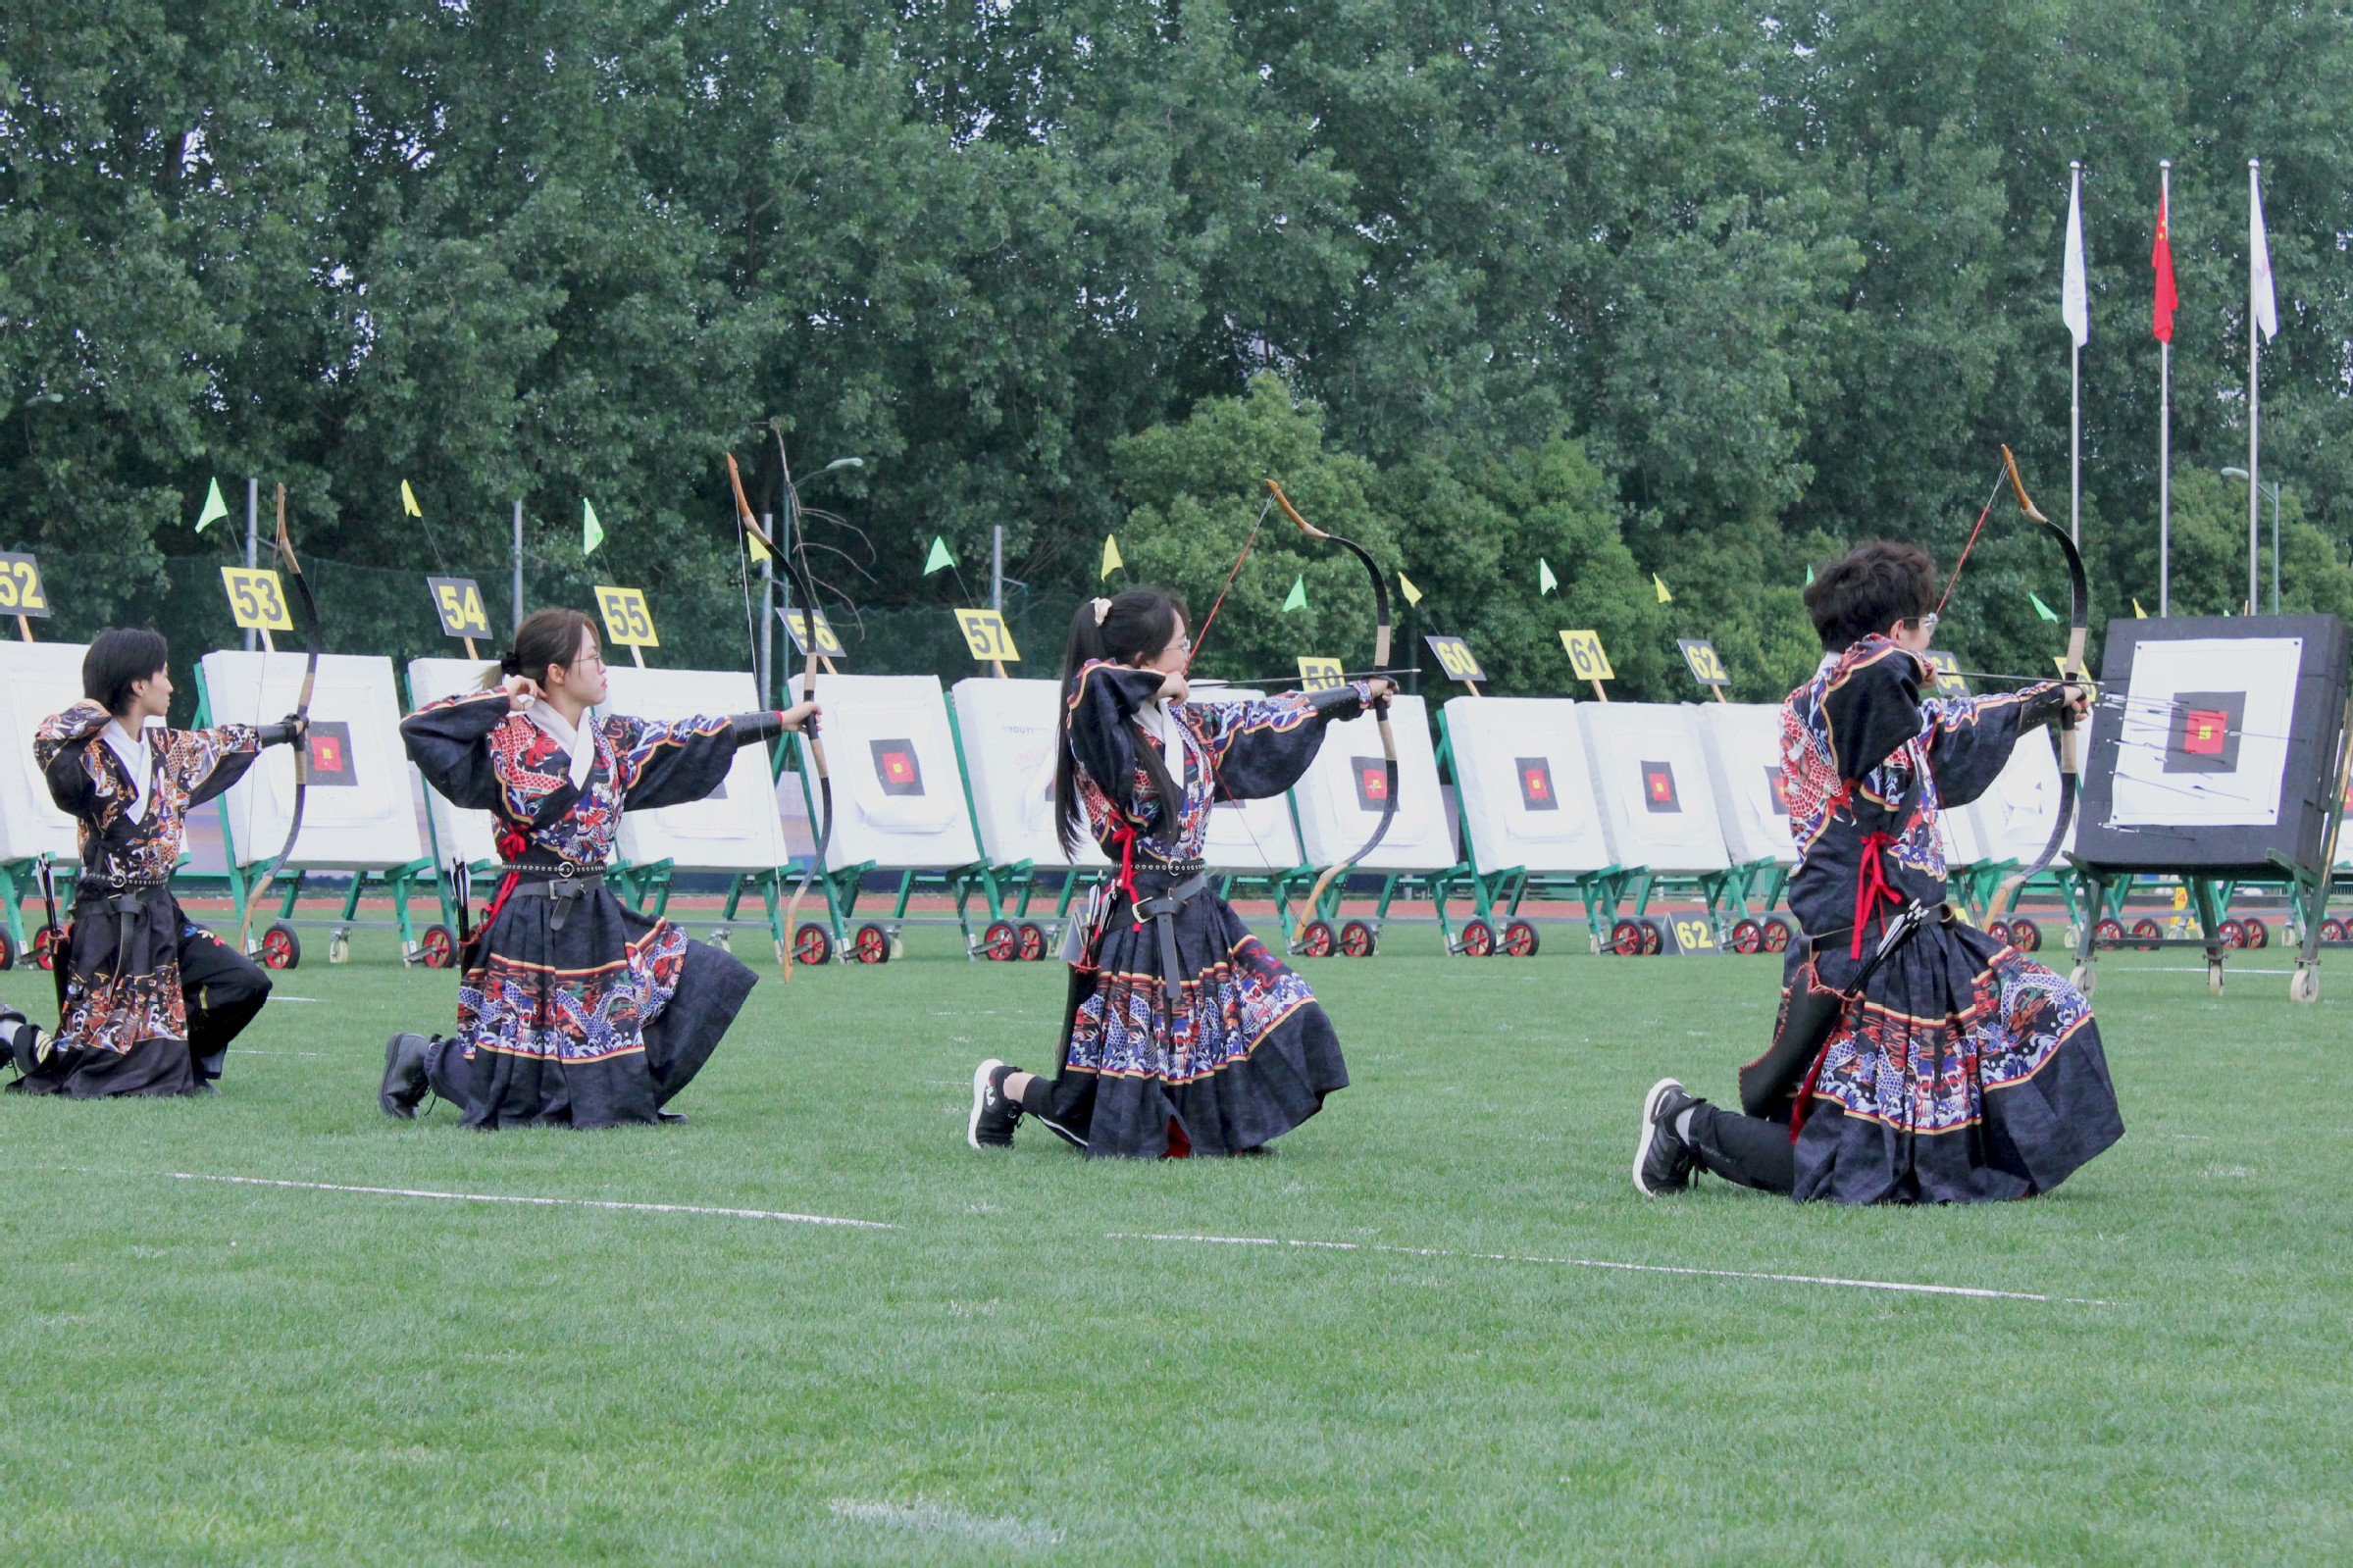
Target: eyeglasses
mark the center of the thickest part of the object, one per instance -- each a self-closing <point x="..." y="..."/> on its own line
<point x="1927" y="623"/>
<point x="586" y="658"/>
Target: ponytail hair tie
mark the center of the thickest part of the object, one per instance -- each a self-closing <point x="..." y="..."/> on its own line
<point x="510" y="663"/>
<point x="1103" y="607"/>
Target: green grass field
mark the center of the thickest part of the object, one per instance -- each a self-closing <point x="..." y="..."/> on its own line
<point x="208" y="1372"/>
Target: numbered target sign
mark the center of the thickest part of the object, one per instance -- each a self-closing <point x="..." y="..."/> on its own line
<point x="1455" y="659"/>
<point x="986" y="635"/>
<point x="20" y="592"/>
<point x="1318" y="674"/>
<point x="256" y="598"/>
<point x="1707" y="668"/>
<point x="1948" y="672"/>
<point x="458" y="603"/>
<point x="1691" y="935"/>
<point x="1585" y="656"/>
<point x="627" y="620"/>
<point x="796" y="627"/>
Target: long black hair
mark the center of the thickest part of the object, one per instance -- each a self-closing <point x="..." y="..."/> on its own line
<point x="1128" y="628"/>
<point x="120" y="658"/>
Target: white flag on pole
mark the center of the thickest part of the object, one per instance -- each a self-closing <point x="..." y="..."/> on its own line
<point x="2075" y="295"/>
<point x="2260" y="300"/>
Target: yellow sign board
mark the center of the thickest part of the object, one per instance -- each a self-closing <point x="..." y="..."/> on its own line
<point x="796" y="627"/>
<point x="1318" y="674"/>
<point x="986" y="635"/>
<point x="1585" y="656"/>
<point x="458" y="603"/>
<point x="256" y="598"/>
<point x="1455" y="659"/>
<point x="627" y="620"/>
<point x="20" y="592"/>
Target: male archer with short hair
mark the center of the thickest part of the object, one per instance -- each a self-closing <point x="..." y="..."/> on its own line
<point x="1915" y="1059"/>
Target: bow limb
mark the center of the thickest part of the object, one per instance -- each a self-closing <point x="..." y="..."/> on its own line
<point x="750" y="522"/>
<point x="2071" y="673"/>
<point x="797" y="572"/>
<point x="315" y="643"/>
<point x="1380" y="707"/>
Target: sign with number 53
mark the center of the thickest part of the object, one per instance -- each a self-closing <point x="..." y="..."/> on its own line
<point x="256" y="599"/>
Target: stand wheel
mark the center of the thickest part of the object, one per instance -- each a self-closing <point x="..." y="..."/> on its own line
<point x="723" y="937"/>
<point x="2304" y="986"/>
<point x="2109" y="933"/>
<point x="1001" y="942"/>
<point x="812" y="944"/>
<point x="2233" y="936"/>
<point x="1356" y="939"/>
<point x="338" y="947"/>
<point x="2150" y="930"/>
<point x="2082" y="978"/>
<point x="1032" y="942"/>
<point x="1747" y="937"/>
<point x="1999" y="930"/>
<point x="45" y="944"/>
<point x="2332" y="930"/>
<point x="2214" y="976"/>
<point x="2026" y="935"/>
<point x="280" y="947"/>
<point x="1520" y="940"/>
<point x="1625" y="938"/>
<point x="7" y="950"/>
<point x="1654" y="943"/>
<point x="2259" y="934"/>
<point x="437" y="947"/>
<point x="871" y="945"/>
<point x="1316" y="940"/>
<point x="1478" y="939"/>
<point x="1776" y="935"/>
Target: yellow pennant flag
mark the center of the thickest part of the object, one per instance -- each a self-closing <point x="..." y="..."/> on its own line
<point x="1665" y="597"/>
<point x="1112" y="560"/>
<point x="1405" y="583"/>
<point x="2138" y="613"/>
<point x="409" y="501"/>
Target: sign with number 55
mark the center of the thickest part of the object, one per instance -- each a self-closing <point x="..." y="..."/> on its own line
<point x="627" y="620"/>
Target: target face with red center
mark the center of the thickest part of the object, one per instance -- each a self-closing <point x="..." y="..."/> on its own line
<point x="1659" y="787"/>
<point x="1373" y="781"/>
<point x="2204" y="734"/>
<point x="896" y="765"/>
<point x="330" y="742"/>
<point x="1536" y="784"/>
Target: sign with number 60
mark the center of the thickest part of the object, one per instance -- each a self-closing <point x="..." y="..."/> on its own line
<point x="1455" y="659"/>
<point x="256" y="599"/>
<point x="627" y="620"/>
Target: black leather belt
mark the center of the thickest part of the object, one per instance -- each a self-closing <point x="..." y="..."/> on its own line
<point x="1162" y="910"/>
<point x="568" y="887"/>
<point x="128" y="901"/>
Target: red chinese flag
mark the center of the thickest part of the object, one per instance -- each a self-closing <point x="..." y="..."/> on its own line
<point x="2162" y="258"/>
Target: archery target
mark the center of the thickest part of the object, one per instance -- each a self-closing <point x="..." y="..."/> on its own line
<point x="37" y="680"/>
<point x="1526" y="787"/>
<point x="360" y="813"/>
<point x="899" y="795"/>
<point x="735" y="828"/>
<point x="2203" y="737"/>
<point x="1743" y="741"/>
<point x="1650" y="776"/>
<point x="1339" y="799"/>
<point x="468" y="836"/>
<point x="1005" y="734"/>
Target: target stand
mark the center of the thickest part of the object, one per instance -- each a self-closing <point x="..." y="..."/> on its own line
<point x="1004" y="739"/>
<point x="1336" y="804"/>
<point x="2221" y="759"/>
<point x="1531" y="827"/>
<point x="37" y="680"/>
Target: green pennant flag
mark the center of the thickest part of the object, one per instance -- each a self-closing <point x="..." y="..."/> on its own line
<point x="592" y="531"/>
<point x="1296" y="598"/>
<point x="939" y="558"/>
<point x="1809" y="576"/>
<point x="1546" y="583"/>
<point x="215" y="507"/>
<point x="2042" y="609"/>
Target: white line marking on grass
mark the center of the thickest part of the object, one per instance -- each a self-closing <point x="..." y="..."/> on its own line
<point x="276" y="996"/>
<point x="1897" y="1285"/>
<point x="947" y="1519"/>
<point x="548" y="1203"/>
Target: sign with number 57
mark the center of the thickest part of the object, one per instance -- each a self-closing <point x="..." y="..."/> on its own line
<point x="986" y="635"/>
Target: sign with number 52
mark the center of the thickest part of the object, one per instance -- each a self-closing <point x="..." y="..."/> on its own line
<point x="627" y="620"/>
<point x="21" y="585"/>
<point x="256" y="599"/>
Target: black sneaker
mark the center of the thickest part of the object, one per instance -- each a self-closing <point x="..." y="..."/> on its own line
<point x="405" y="1084"/>
<point x="1662" y="1161"/>
<point x="994" y="1117"/>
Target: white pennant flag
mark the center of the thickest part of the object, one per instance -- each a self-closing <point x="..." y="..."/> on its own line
<point x="2075" y="295"/>
<point x="2260" y="301"/>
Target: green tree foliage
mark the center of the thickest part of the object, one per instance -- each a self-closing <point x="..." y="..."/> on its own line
<point x="1705" y="289"/>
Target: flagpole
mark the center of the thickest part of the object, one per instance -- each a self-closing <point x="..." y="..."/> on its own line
<point x="2075" y="420"/>
<point x="2164" y="426"/>
<point x="2254" y="400"/>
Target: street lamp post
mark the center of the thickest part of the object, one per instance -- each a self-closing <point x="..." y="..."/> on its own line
<point x="2271" y="490"/>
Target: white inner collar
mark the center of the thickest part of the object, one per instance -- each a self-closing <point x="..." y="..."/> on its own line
<point x="1170" y="733"/>
<point x="131" y="752"/>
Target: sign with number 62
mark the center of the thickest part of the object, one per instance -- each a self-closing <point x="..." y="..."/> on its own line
<point x="1706" y="665"/>
<point x="21" y="591"/>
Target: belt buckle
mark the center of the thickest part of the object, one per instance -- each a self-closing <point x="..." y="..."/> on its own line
<point x="565" y="869"/>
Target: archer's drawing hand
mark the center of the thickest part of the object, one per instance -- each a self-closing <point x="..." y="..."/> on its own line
<point x="521" y="692"/>
<point x="802" y="717"/>
<point x="1175" y="688"/>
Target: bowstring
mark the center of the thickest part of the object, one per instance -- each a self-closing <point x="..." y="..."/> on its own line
<point x="1982" y="515"/>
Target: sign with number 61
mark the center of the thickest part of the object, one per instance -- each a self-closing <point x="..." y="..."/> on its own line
<point x="1585" y="656"/>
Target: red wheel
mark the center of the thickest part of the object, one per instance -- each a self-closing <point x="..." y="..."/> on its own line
<point x="1356" y="939"/>
<point x="1478" y="939"/>
<point x="1520" y="940"/>
<point x="7" y="950"/>
<point x="1032" y="942"/>
<point x="1316" y="940"/>
<point x="1625" y="938"/>
<point x="2232" y="935"/>
<point x="2332" y="930"/>
<point x="437" y="947"/>
<point x="1002" y="942"/>
<point x="812" y="944"/>
<point x="1653" y="942"/>
<point x="2109" y="933"/>
<point x="871" y="945"/>
<point x="2259" y="934"/>
<point x="2026" y="935"/>
<point x="1999" y="930"/>
<point x="1747" y="937"/>
<point x="2148" y="930"/>
<point x="1776" y="935"/>
<point x="45" y="944"/>
<point x="280" y="947"/>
